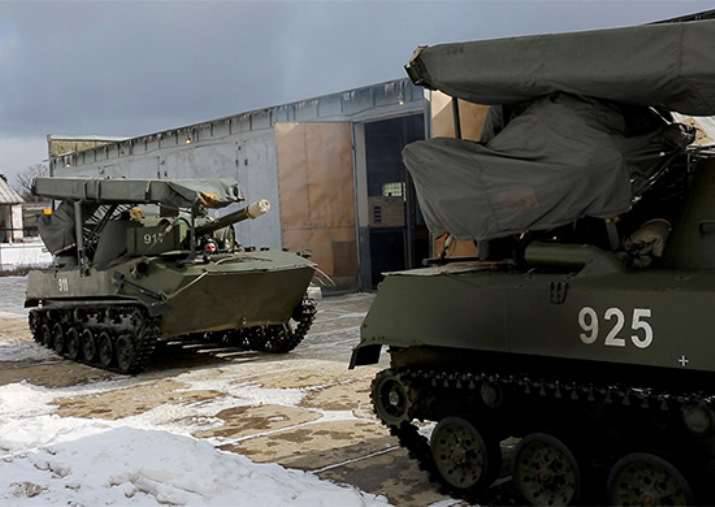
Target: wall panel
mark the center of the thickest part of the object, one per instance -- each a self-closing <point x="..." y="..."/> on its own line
<point x="315" y="179"/>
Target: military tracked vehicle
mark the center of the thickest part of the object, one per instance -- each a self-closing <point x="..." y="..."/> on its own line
<point x="138" y="263"/>
<point x="584" y="325"/>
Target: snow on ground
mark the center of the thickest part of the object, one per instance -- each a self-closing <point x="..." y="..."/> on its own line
<point x="185" y="419"/>
<point x="14" y="343"/>
<point x="12" y="294"/>
<point x="147" y="459"/>
<point x="20" y="348"/>
<point x="126" y="466"/>
<point x="27" y="420"/>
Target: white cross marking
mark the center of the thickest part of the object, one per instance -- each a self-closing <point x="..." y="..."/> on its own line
<point x="683" y="361"/>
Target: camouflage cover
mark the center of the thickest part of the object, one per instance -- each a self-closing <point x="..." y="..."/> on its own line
<point x="58" y="231"/>
<point x="570" y="134"/>
<point x="668" y="65"/>
<point x="563" y="158"/>
<point x="180" y="193"/>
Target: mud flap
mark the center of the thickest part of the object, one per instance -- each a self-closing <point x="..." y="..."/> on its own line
<point x="365" y="354"/>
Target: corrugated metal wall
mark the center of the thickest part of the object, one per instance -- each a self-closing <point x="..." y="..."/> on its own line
<point x="248" y="157"/>
<point x="241" y="146"/>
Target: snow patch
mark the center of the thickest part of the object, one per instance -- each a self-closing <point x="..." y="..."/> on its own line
<point x="31" y="433"/>
<point x="22" y="349"/>
<point x="241" y="393"/>
<point x="125" y="466"/>
<point x="24" y="400"/>
<point x="448" y="503"/>
<point x="12" y="289"/>
<point x="19" y="348"/>
<point x="27" y="420"/>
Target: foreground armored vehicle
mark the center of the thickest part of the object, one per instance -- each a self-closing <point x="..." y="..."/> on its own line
<point x="584" y="326"/>
<point x="139" y="262"/>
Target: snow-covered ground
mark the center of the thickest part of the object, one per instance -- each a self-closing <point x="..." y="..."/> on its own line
<point x="146" y="459"/>
<point x="12" y="294"/>
<point x="17" y="347"/>
<point x="14" y="345"/>
<point x="149" y="457"/>
<point x="125" y="466"/>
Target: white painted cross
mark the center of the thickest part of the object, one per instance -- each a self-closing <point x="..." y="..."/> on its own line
<point x="683" y="361"/>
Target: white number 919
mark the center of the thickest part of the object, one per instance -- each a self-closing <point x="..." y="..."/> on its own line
<point x="588" y="320"/>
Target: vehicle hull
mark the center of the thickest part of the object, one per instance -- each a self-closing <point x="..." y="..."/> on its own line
<point x="542" y="315"/>
<point x="245" y="289"/>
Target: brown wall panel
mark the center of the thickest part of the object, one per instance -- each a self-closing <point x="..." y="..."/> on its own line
<point x="471" y="115"/>
<point x="330" y="174"/>
<point x="292" y="176"/>
<point x="317" y="197"/>
<point x="458" y="248"/>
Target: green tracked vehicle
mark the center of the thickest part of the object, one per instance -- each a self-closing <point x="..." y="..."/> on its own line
<point x="139" y="263"/>
<point x="584" y="327"/>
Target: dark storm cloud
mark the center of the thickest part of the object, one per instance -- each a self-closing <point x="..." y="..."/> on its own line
<point x="129" y="68"/>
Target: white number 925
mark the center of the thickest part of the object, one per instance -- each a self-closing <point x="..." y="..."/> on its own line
<point x="588" y="320"/>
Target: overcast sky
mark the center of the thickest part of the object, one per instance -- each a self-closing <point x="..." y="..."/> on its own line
<point x="129" y="68"/>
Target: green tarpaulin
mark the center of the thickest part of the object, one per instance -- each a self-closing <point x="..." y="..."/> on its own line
<point x="669" y="65"/>
<point x="58" y="231"/>
<point x="570" y="134"/>
<point x="181" y="193"/>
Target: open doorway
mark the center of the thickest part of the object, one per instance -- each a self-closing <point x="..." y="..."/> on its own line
<point x="398" y="237"/>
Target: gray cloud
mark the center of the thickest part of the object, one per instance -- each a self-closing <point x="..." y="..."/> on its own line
<point x="128" y="68"/>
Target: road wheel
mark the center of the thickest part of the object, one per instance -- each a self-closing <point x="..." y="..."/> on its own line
<point x="89" y="346"/>
<point x="126" y="353"/>
<point x="58" y="338"/>
<point x="45" y="337"/>
<point x="464" y="458"/>
<point x="72" y="344"/>
<point x="545" y="471"/>
<point x="105" y="350"/>
<point x="647" y="479"/>
<point x="34" y="321"/>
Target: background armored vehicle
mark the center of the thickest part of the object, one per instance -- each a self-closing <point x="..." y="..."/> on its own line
<point x="585" y="325"/>
<point x="139" y="262"/>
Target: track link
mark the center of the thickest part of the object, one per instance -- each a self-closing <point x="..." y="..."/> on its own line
<point x="135" y="334"/>
<point x="429" y="387"/>
<point x="139" y="331"/>
<point x="277" y="339"/>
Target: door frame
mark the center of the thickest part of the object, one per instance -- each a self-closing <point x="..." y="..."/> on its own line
<point x="362" y="209"/>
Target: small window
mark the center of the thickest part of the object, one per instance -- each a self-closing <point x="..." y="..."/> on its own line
<point x="395" y="189"/>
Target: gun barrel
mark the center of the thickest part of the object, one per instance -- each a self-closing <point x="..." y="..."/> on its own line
<point x="251" y="212"/>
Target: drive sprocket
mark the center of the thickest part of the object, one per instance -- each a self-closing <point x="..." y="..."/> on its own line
<point x="282" y="338"/>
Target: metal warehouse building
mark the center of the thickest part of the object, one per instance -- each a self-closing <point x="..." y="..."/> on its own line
<point x="330" y="165"/>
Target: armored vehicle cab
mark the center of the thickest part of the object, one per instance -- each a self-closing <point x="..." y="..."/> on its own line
<point x="584" y="326"/>
<point x="140" y="262"/>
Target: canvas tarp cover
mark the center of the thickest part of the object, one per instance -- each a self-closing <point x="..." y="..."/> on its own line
<point x="57" y="230"/>
<point x="559" y="160"/>
<point x="669" y="65"/>
<point x="180" y="193"/>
